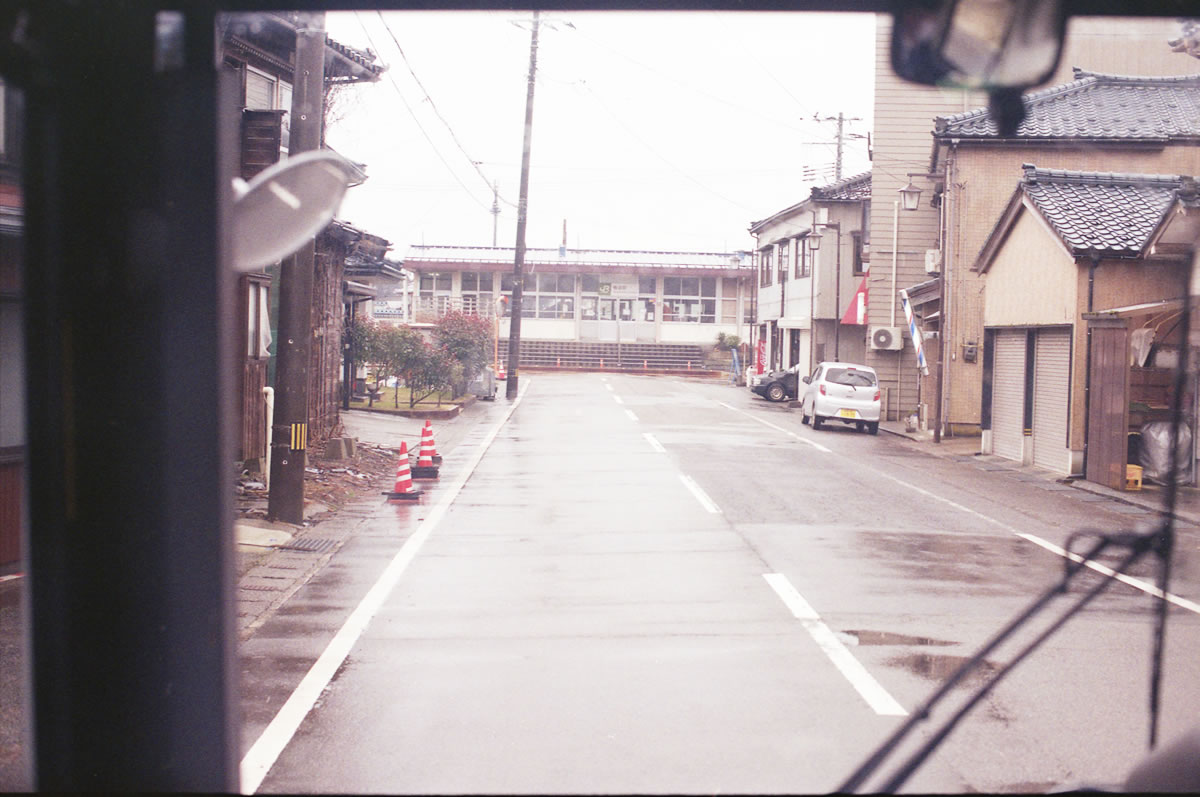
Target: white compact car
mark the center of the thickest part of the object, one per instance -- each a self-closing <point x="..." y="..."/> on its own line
<point x="845" y="392"/>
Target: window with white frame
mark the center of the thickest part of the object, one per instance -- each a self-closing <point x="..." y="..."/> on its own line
<point x="477" y="293"/>
<point x="434" y="291"/>
<point x="783" y="248"/>
<point x="690" y="299"/>
<point x="545" y="295"/>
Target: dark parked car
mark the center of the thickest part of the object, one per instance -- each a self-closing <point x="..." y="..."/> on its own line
<point x="776" y="385"/>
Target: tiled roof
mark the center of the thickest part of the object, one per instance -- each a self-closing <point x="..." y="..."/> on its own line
<point x="1113" y="214"/>
<point x="359" y="65"/>
<point x="856" y="188"/>
<point x="852" y="188"/>
<point x="1096" y="106"/>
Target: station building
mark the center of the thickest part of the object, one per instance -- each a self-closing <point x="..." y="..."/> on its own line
<point x="579" y="298"/>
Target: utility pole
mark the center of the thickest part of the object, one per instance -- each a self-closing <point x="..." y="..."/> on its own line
<point x="495" y="211"/>
<point x="841" y="120"/>
<point x="514" y="325"/>
<point x="290" y="431"/>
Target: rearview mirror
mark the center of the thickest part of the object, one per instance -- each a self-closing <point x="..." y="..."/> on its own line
<point x="978" y="44"/>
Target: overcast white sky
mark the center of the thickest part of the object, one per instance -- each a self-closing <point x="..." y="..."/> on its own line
<point x="651" y="130"/>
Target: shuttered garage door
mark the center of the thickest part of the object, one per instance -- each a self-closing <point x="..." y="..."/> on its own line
<point x="1051" y="394"/>
<point x="1008" y="395"/>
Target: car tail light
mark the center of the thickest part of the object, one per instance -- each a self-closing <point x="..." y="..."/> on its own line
<point x="877" y="393"/>
<point x="822" y="390"/>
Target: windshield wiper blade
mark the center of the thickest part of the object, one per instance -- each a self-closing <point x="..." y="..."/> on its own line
<point x="1138" y="545"/>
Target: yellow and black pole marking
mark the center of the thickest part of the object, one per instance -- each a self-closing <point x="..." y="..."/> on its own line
<point x="299" y="437"/>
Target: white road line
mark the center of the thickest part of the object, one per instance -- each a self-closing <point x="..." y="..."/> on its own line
<point x="1136" y="583"/>
<point x="618" y="399"/>
<point x="278" y="734"/>
<point x="1108" y="571"/>
<point x="653" y="441"/>
<point x="863" y="682"/>
<point x="706" y="502"/>
<point x="632" y="417"/>
<point x="787" y="432"/>
<point x="610" y="387"/>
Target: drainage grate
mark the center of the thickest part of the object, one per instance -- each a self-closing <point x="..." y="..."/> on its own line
<point x="310" y="544"/>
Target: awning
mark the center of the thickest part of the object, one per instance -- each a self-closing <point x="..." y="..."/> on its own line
<point x="1148" y="308"/>
<point x="356" y="291"/>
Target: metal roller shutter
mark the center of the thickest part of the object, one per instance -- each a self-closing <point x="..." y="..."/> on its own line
<point x="1051" y="399"/>
<point x="1008" y="395"/>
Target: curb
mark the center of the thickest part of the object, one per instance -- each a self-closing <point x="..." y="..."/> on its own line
<point x="440" y="415"/>
<point x="1150" y="502"/>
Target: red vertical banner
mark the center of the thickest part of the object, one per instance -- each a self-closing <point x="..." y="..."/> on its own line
<point x="760" y="356"/>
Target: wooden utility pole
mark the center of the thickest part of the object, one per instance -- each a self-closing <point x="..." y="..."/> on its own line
<point x="290" y="431"/>
<point x="514" y="324"/>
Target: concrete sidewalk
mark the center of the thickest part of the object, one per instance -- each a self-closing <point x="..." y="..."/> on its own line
<point x="276" y="559"/>
<point x="1151" y="496"/>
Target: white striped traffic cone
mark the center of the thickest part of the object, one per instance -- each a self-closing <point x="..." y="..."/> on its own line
<point x="437" y="458"/>
<point x="404" y="487"/>
<point x="425" y="469"/>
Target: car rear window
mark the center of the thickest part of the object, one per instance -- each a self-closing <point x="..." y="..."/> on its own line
<point x="851" y="377"/>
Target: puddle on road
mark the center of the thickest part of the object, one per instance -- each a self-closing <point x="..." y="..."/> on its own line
<point x="938" y="667"/>
<point x="989" y="563"/>
<point x="890" y="638"/>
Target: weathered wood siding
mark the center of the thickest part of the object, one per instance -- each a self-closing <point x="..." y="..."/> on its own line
<point x="1107" y="445"/>
<point x="325" y="355"/>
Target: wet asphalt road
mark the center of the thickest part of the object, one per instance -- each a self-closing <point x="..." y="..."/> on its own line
<point x="604" y="607"/>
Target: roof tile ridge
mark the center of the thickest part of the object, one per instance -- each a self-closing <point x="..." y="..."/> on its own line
<point x="1033" y="174"/>
<point x="1083" y="80"/>
<point x="820" y="191"/>
<point x="1112" y="78"/>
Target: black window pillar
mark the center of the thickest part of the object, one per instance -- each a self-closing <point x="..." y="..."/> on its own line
<point x="129" y="393"/>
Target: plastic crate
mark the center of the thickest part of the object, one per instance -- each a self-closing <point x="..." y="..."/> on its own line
<point x="1133" y="477"/>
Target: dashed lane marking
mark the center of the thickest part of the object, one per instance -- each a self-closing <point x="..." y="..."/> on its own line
<point x="878" y="698"/>
<point x="701" y="496"/>
<point x="777" y="428"/>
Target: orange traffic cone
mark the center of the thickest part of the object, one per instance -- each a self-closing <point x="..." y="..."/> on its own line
<point x="425" y="469"/>
<point x="404" y="487"/>
<point x="437" y="458"/>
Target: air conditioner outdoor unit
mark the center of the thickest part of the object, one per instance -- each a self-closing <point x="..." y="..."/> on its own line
<point x="933" y="261"/>
<point x="886" y="339"/>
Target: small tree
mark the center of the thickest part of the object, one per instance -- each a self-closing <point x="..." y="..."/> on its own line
<point x="392" y="350"/>
<point x="430" y="370"/>
<point x="726" y="342"/>
<point x="467" y="338"/>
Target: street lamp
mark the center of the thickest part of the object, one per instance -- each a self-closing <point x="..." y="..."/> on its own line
<point x="910" y="195"/>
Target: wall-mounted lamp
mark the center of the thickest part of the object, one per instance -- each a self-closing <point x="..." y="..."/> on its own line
<point x="814" y="241"/>
<point x="910" y="195"/>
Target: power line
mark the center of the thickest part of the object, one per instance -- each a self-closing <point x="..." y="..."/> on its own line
<point x="654" y="152"/>
<point x="417" y="121"/>
<point x="474" y="164"/>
